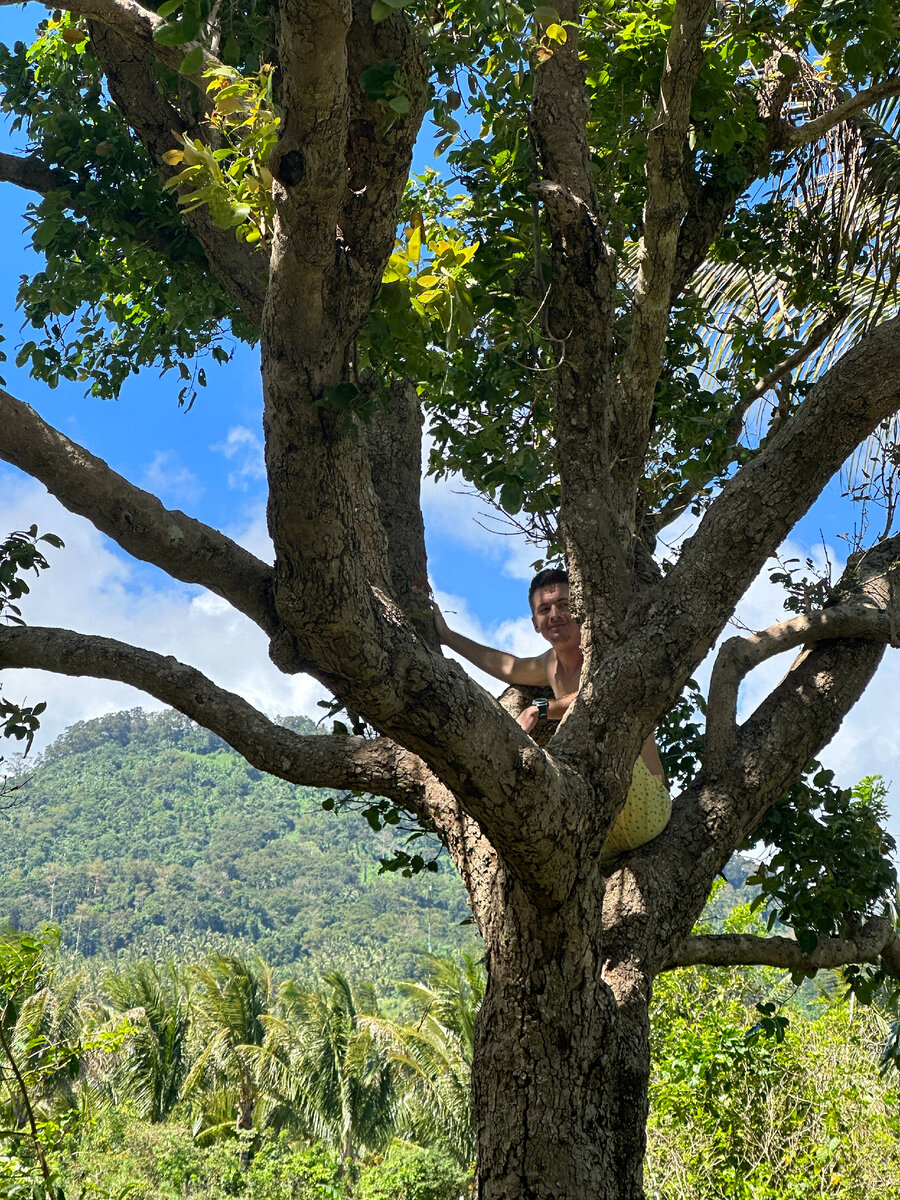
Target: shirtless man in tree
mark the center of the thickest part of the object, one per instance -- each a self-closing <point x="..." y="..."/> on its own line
<point x="648" y="805"/>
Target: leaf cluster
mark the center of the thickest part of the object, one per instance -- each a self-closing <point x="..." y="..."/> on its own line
<point x="832" y="865"/>
<point x="125" y="285"/>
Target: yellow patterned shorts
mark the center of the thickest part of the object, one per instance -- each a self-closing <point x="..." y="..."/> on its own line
<point x="646" y="812"/>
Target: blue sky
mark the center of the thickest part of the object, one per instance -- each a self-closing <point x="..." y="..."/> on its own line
<point x="207" y="461"/>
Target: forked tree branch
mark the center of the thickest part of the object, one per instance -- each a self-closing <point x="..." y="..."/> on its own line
<point x="137" y="26"/>
<point x="791" y="136"/>
<point x="184" y="548"/>
<point x="875" y="939"/>
<point x="857" y="618"/>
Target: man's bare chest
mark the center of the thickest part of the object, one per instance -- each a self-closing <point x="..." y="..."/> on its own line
<point x="563" y="682"/>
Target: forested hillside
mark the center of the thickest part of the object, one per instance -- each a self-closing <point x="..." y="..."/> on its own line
<point x="142" y="832"/>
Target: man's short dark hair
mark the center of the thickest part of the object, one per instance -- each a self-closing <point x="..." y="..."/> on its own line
<point x="546" y="578"/>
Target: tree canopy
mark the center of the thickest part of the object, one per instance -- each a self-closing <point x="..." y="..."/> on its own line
<point x="657" y="275"/>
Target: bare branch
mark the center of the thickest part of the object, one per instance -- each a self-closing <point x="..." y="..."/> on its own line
<point x="663" y="210"/>
<point x="137" y="26"/>
<point x="360" y="764"/>
<point x="31" y="172"/>
<point x="309" y="162"/>
<point x="375" y="765"/>
<point x="184" y="548"/>
<point x="379" y="152"/>
<point x="790" y="136"/>
<point x="803" y="713"/>
<point x="560" y="113"/>
<point x="747" y="950"/>
<point x="394" y="441"/>
<point x="857" y="618"/>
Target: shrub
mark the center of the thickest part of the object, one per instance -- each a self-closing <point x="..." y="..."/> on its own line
<point x="410" y="1172"/>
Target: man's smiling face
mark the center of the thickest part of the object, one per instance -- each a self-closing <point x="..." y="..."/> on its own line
<point x="551" y="616"/>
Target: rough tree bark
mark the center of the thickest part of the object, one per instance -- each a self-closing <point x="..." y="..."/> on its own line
<point x="572" y="945"/>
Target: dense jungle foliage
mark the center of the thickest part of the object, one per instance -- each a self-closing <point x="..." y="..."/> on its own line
<point x="209" y="1079"/>
<point x="142" y="832"/>
<point x="235" y="1021"/>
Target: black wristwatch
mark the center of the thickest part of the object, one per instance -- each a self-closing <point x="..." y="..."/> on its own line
<point x="542" y="706"/>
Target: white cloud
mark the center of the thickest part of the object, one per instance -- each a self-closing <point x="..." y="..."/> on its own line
<point x="92" y="589"/>
<point x="451" y="507"/>
<point x="245" y="449"/>
<point x="171" y="480"/>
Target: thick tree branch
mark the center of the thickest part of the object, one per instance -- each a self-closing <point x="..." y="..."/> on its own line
<point x="789" y="136"/>
<point x="394" y="440"/>
<point x="747" y="950"/>
<point x="560" y="113"/>
<point x="379" y="152"/>
<point x="803" y="713"/>
<point x="309" y="162"/>
<point x="739" y="783"/>
<point x="580" y="315"/>
<point x="32" y="173"/>
<point x="663" y="210"/>
<point x="137" y="520"/>
<point x="137" y="26"/>
<point x="359" y="764"/>
<point x="711" y="203"/>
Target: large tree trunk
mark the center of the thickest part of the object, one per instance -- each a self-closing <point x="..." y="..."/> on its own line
<point x="561" y="1058"/>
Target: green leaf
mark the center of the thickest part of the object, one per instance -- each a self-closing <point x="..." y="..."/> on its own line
<point x="380" y="12"/>
<point x="172" y="34"/>
<point x="807" y="940"/>
<point x="192" y="62"/>
<point x="856" y="60"/>
<point x="512" y="497"/>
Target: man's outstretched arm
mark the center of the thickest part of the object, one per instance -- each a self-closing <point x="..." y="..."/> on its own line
<point x="526" y="672"/>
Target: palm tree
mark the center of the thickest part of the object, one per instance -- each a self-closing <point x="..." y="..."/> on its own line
<point x="324" y="1066"/>
<point x="231" y="1001"/>
<point x="433" y="1053"/>
<point x="40" y="1049"/>
<point x="155" y="1063"/>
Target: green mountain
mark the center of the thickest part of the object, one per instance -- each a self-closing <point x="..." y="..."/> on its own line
<point x="142" y="833"/>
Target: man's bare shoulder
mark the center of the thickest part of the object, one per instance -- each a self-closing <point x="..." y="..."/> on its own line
<point x="536" y="671"/>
